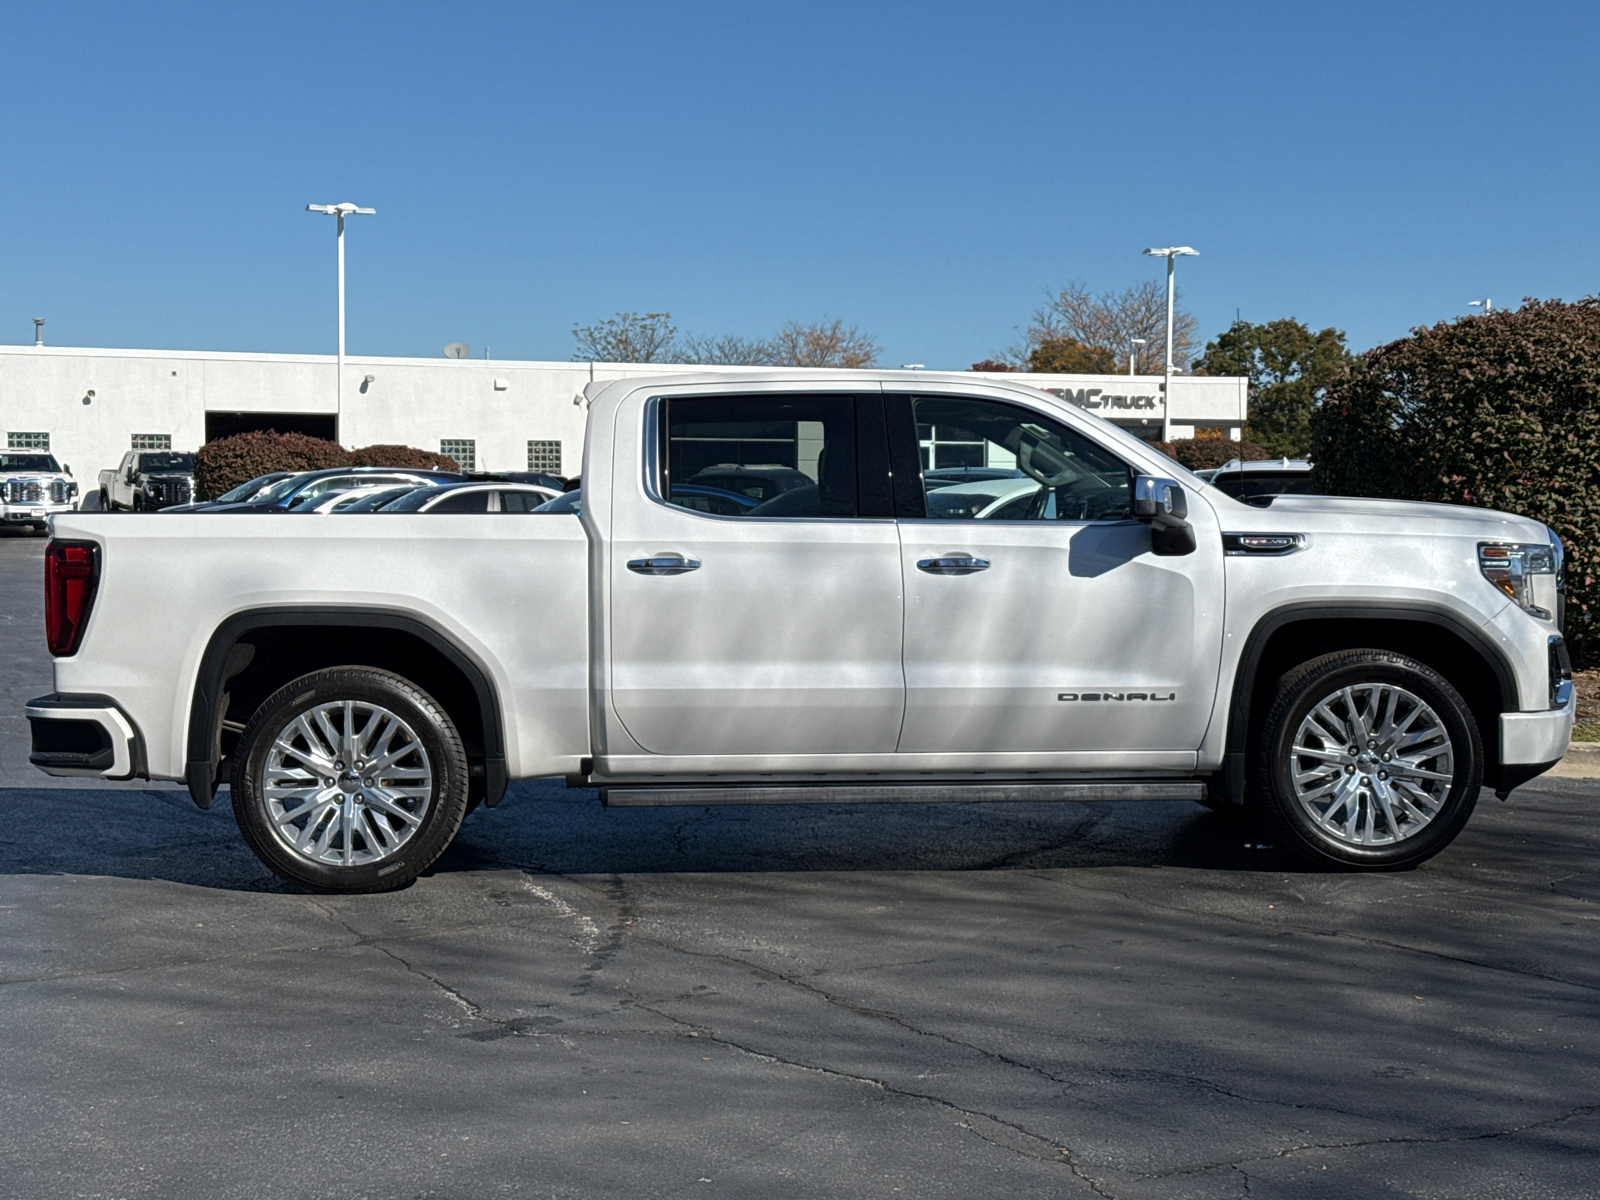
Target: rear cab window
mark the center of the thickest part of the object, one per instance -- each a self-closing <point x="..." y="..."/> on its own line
<point x="772" y="455"/>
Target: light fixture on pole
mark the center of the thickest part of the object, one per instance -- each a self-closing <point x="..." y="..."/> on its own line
<point x="1132" y="352"/>
<point x="341" y="211"/>
<point x="1171" y="254"/>
<point x="1486" y="304"/>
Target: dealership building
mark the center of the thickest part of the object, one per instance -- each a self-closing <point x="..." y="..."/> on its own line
<point x="89" y="407"/>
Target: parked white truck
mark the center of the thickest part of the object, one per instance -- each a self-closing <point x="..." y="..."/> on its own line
<point x="33" y="488"/>
<point x="754" y="605"/>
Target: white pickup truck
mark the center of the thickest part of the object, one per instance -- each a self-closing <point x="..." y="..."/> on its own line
<point x="755" y="605"/>
<point x="33" y="488"/>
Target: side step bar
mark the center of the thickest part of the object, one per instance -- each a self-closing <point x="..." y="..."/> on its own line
<point x="650" y="795"/>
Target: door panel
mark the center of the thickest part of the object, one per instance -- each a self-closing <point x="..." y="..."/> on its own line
<point x="1079" y="610"/>
<point x="1072" y="635"/>
<point x="785" y="637"/>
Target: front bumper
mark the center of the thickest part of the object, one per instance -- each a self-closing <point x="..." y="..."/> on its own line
<point x="1533" y="742"/>
<point x="33" y="514"/>
<point x="1537" y="737"/>
<point x="84" y="736"/>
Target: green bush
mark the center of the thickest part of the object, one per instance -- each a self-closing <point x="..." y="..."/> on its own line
<point x="224" y="464"/>
<point x="1500" y="411"/>
<point x="1199" y="454"/>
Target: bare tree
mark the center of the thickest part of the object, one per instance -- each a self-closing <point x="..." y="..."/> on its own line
<point x="823" y="343"/>
<point x="730" y="350"/>
<point x="1110" y="322"/>
<point x="626" y="338"/>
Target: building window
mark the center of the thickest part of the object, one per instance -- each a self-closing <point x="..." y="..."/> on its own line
<point x="28" y="441"/>
<point x="544" y="456"/>
<point x="945" y="448"/>
<point x="463" y="450"/>
<point x="152" y="441"/>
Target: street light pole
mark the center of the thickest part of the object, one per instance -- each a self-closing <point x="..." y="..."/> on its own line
<point x="1132" y="352"/>
<point x="341" y="211"/>
<point x="1171" y="254"/>
<point x="1486" y="304"/>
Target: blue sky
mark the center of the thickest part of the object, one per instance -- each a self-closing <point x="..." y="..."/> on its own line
<point x="922" y="170"/>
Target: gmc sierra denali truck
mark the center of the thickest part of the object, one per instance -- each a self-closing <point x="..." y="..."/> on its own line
<point x="33" y="488"/>
<point x="148" y="480"/>
<point x="1104" y="626"/>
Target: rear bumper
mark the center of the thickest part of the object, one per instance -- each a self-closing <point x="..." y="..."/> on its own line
<point x="84" y="736"/>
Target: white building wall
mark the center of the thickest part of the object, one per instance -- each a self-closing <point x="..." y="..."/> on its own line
<point x="501" y="405"/>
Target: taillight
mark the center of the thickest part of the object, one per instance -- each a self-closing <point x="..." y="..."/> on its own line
<point x="71" y="571"/>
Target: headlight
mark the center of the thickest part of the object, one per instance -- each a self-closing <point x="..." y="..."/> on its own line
<point x="1512" y="568"/>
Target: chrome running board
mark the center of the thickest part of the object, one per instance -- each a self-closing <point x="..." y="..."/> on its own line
<point x="652" y="795"/>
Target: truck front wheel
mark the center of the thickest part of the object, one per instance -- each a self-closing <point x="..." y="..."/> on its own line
<point x="350" y="780"/>
<point x="1368" y="759"/>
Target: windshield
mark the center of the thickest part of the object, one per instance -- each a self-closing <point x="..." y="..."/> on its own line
<point x="29" y="462"/>
<point x="567" y="502"/>
<point x="279" y="491"/>
<point x="245" y="490"/>
<point x="167" y="462"/>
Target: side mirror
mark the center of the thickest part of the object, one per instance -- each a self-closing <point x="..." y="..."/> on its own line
<point x="1161" y="504"/>
<point x="67" y="468"/>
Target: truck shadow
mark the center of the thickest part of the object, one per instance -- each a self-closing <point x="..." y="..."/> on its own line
<point x="543" y="827"/>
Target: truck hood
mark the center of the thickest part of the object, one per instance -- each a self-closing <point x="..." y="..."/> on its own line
<point x="1290" y="514"/>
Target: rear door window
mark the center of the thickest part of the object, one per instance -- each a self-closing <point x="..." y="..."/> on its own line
<point x="761" y="456"/>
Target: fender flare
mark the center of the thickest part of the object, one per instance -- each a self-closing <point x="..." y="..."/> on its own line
<point x="219" y="664"/>
<point x="1244" y="679"/>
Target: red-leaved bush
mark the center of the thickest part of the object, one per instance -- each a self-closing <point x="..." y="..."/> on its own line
<point x="402" y="456"/>
<point x="224" y="464"/>
<point x="1199" y="454"/>
<point x="1500" y="411"/>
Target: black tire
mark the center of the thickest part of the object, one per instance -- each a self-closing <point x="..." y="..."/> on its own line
<point x="430" y="744"/>
<point x="105" y="501"/>
<point x="1381" y="803"/>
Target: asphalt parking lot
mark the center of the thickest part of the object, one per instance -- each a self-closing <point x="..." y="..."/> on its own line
<point x="922" y="1001"/>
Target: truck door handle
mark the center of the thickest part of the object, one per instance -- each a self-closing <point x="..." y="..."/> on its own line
<point x="955" y="564"/>
<point x="664" y="564"/>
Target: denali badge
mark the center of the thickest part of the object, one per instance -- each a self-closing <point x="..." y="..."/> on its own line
<point x="1116" y="696"/>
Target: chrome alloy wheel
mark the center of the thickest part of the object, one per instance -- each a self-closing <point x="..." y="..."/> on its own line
<point x="1372" y="764"/>
<point x="346" y="783"/>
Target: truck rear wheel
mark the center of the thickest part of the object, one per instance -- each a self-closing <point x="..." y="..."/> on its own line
<point x="1368" y="759"/>
<point x="350" y="780"/>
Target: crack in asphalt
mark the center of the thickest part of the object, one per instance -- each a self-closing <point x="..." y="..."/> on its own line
<point x="1289" y="1151"/>
<point x="1062" y="1155"/>
<point x="1306" y="930"/>
<point x="1113" y="1075"/>
<point x="472" y="1008"/>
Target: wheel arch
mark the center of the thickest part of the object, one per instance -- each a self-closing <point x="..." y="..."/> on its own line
<point x="253" y="653"/>
<point x="1296" y="633"/>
